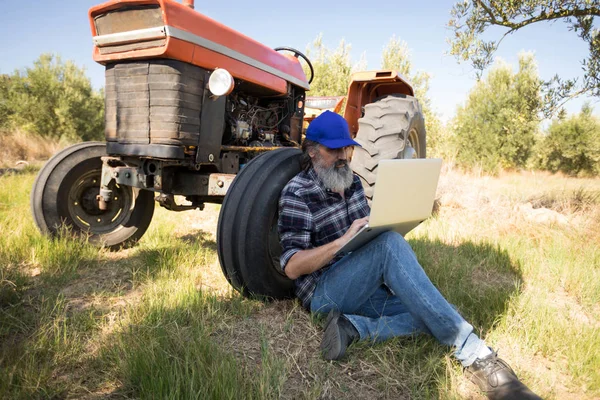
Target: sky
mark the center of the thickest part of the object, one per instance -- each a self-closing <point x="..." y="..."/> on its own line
<point x="30" y="28"/>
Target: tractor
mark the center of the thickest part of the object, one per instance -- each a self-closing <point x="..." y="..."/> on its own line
<point x="197" y="111"/>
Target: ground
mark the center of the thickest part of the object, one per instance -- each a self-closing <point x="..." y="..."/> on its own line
<point x="516" y="253"/>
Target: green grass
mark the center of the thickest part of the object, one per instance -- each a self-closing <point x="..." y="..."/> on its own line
<point x="160" y="347"/>
<point x="160" y="321"/>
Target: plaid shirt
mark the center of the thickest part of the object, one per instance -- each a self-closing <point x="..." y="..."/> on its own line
<point x="310" y="216"/>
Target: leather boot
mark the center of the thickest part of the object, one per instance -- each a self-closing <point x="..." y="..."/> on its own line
<point x="497" y="380"/>
<point x="339" y="333"/>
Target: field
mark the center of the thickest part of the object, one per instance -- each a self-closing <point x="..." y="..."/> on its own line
<point x="518" y="254"/>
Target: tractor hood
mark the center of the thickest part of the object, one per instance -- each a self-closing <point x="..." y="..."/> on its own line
<point x="143" y="29"/>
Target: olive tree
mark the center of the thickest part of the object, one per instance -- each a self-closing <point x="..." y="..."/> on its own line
<point x="496" y="127"/>
<point x="472" y="19"/>
<point x="333" y="69"/>
<point x="572" y="145"/>
<point x="53" y="98"/>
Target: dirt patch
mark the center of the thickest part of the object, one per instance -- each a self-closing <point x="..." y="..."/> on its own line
<point x="576" y="312"/>
<point x="291" y="335"/>
<point x="104" y="285"/>
<point x="540" y="372"/>
<point x="486" y="279"/>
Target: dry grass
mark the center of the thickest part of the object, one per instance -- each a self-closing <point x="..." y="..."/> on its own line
<point x="20" y="146"/>
<point x="160" y="318"/>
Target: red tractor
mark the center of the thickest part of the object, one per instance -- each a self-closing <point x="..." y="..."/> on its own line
<point x="196" y="109"/>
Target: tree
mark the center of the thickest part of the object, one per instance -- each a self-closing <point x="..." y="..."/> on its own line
<point x="572" y="145"/>
<point x="496" y="127"/>
<point x="333" y="69"/>
<point x="54" y="99"/>
<point x="396" y="56"/>
<point x="5" y="109"/>
<point x="470" y="19"/>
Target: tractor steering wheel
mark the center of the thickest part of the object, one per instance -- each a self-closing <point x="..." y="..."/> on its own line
<point x="299" y="54"/>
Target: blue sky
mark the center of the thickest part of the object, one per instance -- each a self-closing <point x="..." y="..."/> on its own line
<point x="29" y="28"/>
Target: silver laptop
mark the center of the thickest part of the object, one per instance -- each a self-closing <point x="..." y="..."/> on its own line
<point x="402" y="199"/>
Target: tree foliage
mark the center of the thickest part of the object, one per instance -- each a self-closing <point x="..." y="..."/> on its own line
<point x="333" y="72"/>
<point x="496" y="127"/>
<point x="332" y="68"/>
<point x="572" y="145"/>
<point x="396" y="56"/>
<point x="5" y="110"/>
<point x="470" y="19"/>
<point x="53" y="99"/>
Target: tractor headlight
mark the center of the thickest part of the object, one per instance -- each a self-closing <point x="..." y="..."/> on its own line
<point x="220" y="82"/>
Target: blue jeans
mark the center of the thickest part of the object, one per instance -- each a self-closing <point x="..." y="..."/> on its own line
<point x="382" y="289"/>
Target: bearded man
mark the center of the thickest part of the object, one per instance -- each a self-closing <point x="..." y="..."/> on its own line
<point x="378" y="291"/>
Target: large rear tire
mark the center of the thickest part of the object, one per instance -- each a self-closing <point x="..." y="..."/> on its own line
<point x="64" y="194"/>
<point x="392" y="127"/>
<point x="247" y="237"/>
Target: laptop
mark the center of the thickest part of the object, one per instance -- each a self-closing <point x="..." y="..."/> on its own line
<point x="402" y="199"/>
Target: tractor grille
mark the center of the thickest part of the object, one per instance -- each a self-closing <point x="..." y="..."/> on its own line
<point x="154" y="102"/>
<point x="127" y="19"/>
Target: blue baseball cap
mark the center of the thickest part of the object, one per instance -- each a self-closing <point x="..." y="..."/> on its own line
<point x="331" y="130"/>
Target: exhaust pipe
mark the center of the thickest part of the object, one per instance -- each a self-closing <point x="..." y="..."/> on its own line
<point x="189" y="3"/>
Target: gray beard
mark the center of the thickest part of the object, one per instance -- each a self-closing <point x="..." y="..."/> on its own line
<point x="334" y="179"/>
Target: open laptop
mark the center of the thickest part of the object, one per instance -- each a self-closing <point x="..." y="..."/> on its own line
<point x="402" y="199"/>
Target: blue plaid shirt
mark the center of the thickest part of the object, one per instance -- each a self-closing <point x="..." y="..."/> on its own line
<point x="311" y="216"/>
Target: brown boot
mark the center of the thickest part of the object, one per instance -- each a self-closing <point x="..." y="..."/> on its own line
<point x="497" y="380"/>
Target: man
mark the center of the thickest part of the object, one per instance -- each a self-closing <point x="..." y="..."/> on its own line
<point x="378" y="291"/>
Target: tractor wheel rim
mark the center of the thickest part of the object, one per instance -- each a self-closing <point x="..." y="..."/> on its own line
<point x="413" y="141"/>
<point x="83" y="206"/>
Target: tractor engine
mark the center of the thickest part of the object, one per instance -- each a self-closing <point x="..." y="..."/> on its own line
<point x="253" y="123"/>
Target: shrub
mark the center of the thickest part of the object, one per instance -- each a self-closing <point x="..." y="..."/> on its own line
<point x="572" y="145"/>
<point x="53" y="99"/>
<point x="496" y="127"/>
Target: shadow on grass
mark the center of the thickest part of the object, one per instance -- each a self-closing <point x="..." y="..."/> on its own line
<point x="201" y="238"/>
<point x="43" y="317"/>
<point x="165" y="257"/>
<point x="19" y="169"/>
<point x="168" y="351"/>
<point x="479" y="279"/>
<point x="166" y="346"/>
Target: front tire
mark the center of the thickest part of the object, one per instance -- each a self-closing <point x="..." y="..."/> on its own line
<point x="392" y="127"/>
<point x="64" y="194"/>
<point x="247" y="237"/>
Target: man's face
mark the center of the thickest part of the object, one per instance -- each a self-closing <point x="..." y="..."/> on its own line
<point x="331" y="165"/>
<point x="333" y="157"/>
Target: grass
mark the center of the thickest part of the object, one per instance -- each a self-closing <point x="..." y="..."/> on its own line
<point x="18" y="146"/>
<point x="160" y="321"/>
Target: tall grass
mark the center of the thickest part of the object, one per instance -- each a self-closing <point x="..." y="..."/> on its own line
<point x="160" y="321"/>
<point x="168" y="348"/>
<point x="540" y="284"/>
<point x="22" y="246"/>
<point x="21" y="146"/>
<point x="165" y="345"/>
<point x="33" y="362"/>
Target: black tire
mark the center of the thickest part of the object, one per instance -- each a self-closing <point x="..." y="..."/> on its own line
<point x="392" y="127"/>
<point x="64" y="193"/>
<point x="247" y="238"/>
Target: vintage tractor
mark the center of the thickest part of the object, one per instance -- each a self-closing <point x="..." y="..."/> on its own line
<point x="196" y="109"/>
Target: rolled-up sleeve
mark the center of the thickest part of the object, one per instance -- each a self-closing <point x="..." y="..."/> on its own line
<point x="295" y="226"/>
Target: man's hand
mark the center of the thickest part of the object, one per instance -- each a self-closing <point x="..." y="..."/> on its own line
<point x="305" y="262"/>
<point x="356" y="226"/>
